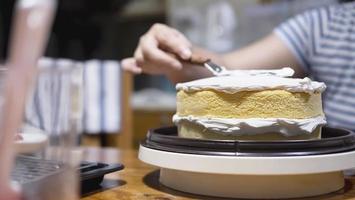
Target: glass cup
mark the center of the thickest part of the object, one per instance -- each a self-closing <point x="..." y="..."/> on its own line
<point x="48" y="158"/>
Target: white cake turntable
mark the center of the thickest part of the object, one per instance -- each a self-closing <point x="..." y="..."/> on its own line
<point x="249" y="169"/>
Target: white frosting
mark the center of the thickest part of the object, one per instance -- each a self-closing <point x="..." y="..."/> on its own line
<point x="237" y="83"/>
<point x="253" y="126"/>
<point x="283" y="72"/>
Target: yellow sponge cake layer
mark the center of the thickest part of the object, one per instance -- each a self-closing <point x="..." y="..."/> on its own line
<point x="249" y="104"/>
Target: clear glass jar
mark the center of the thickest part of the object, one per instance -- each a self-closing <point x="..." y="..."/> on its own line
<point x="48" y="157"/>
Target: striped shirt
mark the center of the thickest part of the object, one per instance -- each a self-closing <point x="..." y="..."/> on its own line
<point x="323" y="41"/>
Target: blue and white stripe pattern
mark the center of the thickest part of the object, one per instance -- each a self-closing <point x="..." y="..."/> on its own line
<point x="99" y="97"/>
<point x="102" y="93"/>
<point x="323" y="41"/>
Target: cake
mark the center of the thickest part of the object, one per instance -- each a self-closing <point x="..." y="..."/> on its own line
<point x="250" y="107"/>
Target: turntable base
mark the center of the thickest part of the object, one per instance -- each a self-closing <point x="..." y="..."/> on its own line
<point x="252" y="186"/>
<point x="301" y="169"/>
<point x="178" y="173"/>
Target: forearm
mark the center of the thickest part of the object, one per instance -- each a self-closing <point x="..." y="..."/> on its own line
<point x="267" y="53"/>
<point x="164" y="50"/>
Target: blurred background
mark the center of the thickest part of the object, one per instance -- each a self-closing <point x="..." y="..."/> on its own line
<point x="110" y="30"/>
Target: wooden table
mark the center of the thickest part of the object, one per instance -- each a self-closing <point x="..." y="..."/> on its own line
<point x="139" y="181"/>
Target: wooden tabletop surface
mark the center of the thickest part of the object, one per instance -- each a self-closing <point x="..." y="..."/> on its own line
<point x="139" y="181"/>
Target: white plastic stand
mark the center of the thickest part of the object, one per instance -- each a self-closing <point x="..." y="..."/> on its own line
<point x="251" y="177"/>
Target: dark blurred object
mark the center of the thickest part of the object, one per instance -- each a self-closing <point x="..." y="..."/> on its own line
<point x="80" y="23"/>
<point x="6" y="7"/>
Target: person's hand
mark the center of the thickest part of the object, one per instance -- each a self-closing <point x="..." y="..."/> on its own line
<point x="160" y="51"/>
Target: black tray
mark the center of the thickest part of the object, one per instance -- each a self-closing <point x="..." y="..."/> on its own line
<point x="30" y="170"/>
<point x="92" y="174"/>
<point x="334" y="140"/>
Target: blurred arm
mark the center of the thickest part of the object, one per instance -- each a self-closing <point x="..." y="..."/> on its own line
<point x="164" y="50"/>
<point x="267" y="53"/>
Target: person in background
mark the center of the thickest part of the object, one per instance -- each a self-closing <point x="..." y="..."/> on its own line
<point x="319" y="43"/>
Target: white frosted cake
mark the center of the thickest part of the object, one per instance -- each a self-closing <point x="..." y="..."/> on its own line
<point x="257" y="107"/>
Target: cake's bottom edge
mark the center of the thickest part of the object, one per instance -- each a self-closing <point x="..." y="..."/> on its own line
<point x="190" y="130"/>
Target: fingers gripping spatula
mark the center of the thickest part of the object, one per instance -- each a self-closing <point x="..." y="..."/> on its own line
<point x="32" y="20"/>
<point x="216" y="70"/>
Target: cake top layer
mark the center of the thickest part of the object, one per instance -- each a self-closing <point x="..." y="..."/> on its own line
<point x="283" y="72"/>
<point x="237" y="83"/>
